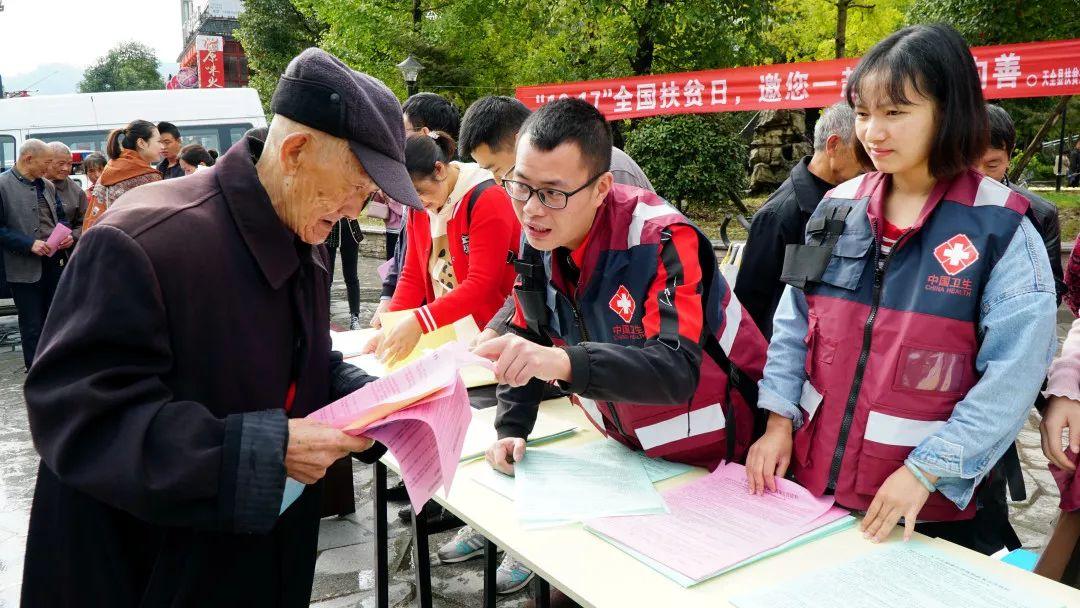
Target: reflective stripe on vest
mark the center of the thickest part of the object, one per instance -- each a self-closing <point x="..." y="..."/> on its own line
<point x="697" y="422"/>
<point x="894" y="430"/>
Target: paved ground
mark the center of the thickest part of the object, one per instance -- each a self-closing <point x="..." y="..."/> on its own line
<point x="344" y="571"/>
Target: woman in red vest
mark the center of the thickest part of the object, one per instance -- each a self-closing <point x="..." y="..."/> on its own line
<point x="459" y="258"/>
<point x="919" y="319"/>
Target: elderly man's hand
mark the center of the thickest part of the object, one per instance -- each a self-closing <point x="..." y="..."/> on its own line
<point x="518" y="360"/>
<point x="400" y="342"/>
<point x="40" y="248"/>
<point x="313" y="447"/>
<point x="66" y="243"/>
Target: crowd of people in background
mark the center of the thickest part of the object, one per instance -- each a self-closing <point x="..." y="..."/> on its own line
<point x="586" y="282"/>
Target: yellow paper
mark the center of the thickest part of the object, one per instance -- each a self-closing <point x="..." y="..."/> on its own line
<point x="463" y="330"/>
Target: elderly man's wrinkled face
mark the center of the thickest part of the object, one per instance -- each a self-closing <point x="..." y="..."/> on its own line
<point x="326" y="184"/>
<point x="60" y="166"/>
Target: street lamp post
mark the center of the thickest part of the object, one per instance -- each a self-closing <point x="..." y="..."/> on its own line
<point x="410" y="70"/>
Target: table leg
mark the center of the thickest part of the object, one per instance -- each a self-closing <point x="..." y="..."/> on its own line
<point x="543" y="593"/>
<point x="382" y="541"/>
<point x="422" y="558"/>
<point x="490" y="564"/>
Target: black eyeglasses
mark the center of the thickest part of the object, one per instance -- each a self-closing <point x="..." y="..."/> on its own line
<point x="548" y="197"/>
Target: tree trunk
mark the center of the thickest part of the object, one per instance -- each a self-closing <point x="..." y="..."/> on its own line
<point x="646" y="44"/>
<point x="1036" y="142"/>
<point x="841" y="27"/>
<point x="417" y="16"/>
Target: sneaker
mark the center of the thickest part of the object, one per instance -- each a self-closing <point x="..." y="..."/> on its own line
<point x="354" y="322"/>
<point x="511" y="576"/>
<point x="465" y="545"/>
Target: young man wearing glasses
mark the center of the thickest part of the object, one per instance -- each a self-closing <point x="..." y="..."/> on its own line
<point x="621" y="303"/>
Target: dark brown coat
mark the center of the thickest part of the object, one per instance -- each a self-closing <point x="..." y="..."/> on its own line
<point x="156" y="402"/>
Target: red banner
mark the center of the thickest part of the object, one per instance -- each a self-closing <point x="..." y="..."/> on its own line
<point x="1033" y="69"/>
<point x="208" y="53"/>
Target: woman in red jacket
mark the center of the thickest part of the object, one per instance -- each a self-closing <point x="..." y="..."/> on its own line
<point x="459" y="258"/>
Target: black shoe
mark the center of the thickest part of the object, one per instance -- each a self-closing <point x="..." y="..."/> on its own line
<point x="397" y="493"/>
<point x="438" y="518"/>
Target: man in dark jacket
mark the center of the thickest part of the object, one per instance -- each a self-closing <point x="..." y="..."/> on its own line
<point x="27" y="218"/>
<point x="781" y="221"/>
<point x="169" y="167"/>
<point x="1043" y="213"/>
<point x="71" y="200"/>
<point x="167" y="403"/>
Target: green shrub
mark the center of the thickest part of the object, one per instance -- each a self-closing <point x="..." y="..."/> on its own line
<point x="693" y="160"/>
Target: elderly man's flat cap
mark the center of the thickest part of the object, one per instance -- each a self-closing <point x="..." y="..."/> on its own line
<point x="320" y="91"/>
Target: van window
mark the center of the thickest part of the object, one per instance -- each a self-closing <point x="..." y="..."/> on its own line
<point x="7" y="152"/>
<point x="81" y="140"/>
<point x="218" y="137"/>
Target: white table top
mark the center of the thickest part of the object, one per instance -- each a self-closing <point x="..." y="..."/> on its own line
<point x="596" y="574"/>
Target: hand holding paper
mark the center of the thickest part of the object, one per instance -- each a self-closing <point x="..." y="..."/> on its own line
<point x="59" y="233"/>
<point x="314" y="446"/>
<point x="419" y="412"/>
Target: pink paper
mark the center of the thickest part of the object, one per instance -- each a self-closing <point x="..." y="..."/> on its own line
<point x="435" y="371"/>
<point x="427" y="432"/>
<point x="426" y="440"/>
<point x="58" y="234"/>
<point x="715" y="523"/>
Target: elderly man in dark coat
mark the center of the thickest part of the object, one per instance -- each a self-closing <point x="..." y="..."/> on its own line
<point x="167" y="402"/>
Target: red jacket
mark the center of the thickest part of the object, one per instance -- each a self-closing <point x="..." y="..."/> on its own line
<point x="481" y="254"/>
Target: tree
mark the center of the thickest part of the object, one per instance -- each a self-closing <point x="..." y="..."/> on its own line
<point x="272" y="32"/>
<point x="130" y="66"/>
<point x="811" y="30"/>
<point x="983" y="22"/>
<point x="986" y="22"/>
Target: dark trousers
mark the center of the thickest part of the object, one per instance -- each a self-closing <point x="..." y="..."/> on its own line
<point x="32" y="301"/>
<point x="391" y="242"/>
<point x="350" y="251"/>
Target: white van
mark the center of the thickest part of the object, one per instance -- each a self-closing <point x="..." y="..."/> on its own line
<point x="215" y="118"/>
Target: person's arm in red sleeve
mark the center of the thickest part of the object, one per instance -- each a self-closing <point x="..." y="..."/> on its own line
<point x="675" y="332"/>
<point x="493" y="226"/>
<point x="410" y="291"/>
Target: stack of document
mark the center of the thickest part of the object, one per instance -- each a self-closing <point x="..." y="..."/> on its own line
<point x="657" y="469"/>
<point x="482" y="433"/>
<point x="715" y="525"/>
<point x="897" y="575"/>
<point x="419" y="412"/>
<point x="351" y="343"/>
<point x="602" y="478"/>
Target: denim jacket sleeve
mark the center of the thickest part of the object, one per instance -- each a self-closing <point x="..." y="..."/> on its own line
<point x="785" y="368"/>
<point x="1017" y="330"/>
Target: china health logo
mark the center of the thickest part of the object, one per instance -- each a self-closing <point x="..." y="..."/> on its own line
<point x="623" y="304"/>
<point x="956" y="254"/>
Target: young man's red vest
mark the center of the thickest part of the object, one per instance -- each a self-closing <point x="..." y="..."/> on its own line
<point x="891" y="346"/>
<point x="622" y="253"/>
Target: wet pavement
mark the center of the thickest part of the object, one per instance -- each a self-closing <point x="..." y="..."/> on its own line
<point x="344" y="572"/>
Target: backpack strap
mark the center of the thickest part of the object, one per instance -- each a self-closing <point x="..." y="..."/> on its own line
<point x="736" y="378"/>
<point x="474" y="196"/>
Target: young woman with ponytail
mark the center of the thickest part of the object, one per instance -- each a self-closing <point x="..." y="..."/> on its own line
<point x="132" y="152"/>
<point x="459" y="258"/>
